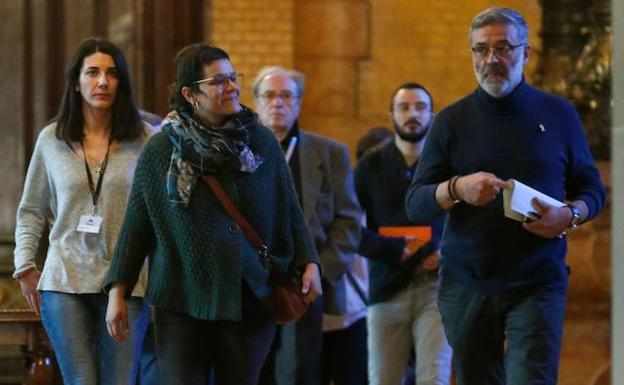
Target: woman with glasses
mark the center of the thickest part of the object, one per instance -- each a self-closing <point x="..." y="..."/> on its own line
<point x="77" y="187"/>
<point x="206" y="280"/>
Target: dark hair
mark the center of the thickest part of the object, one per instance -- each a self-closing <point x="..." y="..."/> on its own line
<point x="373" y="138"/>
<point x="410" y="86"/>
<point x="126" y="123"/>
<point x="499" y="15"/>
<point x="189" y="68"/>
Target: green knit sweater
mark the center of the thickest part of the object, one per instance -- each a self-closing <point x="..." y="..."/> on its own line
<point x="198" y="256"/>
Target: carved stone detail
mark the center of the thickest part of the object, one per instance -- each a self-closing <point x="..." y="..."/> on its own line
<point x="575" y="63"/>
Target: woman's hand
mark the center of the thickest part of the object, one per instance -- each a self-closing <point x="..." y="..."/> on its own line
<point x="117" y="313"/>
<point x="311" y="283"/>
<point x="28" y="283"/>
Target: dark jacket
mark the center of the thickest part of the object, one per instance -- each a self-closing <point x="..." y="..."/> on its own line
<point x="331" y="211"/>
<point x="381" y="181"/>
<point x="198" y="256"/>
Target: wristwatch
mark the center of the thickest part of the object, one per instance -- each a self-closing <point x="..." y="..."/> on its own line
<point x="576" y="216"/>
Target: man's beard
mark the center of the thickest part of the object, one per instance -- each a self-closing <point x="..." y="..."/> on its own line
<point x="499" y="86"/>
<point x="411" y="136"/>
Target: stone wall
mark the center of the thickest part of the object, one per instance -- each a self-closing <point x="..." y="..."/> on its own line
<point x="255" y="34"/>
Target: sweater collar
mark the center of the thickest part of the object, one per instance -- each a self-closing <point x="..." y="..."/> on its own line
<point x="504" y="104"/>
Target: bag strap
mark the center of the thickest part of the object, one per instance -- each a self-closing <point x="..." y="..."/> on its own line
<point x="357" y="287"/>
<point x="238" y="217"/>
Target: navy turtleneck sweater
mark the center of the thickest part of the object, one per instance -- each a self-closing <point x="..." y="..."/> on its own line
<point x="481" y="248"/>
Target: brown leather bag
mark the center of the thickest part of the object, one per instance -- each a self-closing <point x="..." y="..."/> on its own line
<point x="286" y="301"/>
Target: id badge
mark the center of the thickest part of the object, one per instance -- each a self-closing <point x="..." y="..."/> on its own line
<point x="89" y="224"/>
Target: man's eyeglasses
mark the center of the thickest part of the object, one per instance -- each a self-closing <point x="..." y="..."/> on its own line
<point x="220" y="80"/>
<point x="501" y="50"/>
<point x="286" y="96"/>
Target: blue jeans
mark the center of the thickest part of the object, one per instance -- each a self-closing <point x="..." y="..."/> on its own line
<point x="512" y="338"/>
<point x="409" y="319"/>
<point x="189" y="349"/>
<point x="86" y="354"/>
<point x="148" y="369"/>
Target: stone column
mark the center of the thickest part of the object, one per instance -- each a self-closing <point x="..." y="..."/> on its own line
<point x="330" y="39"/>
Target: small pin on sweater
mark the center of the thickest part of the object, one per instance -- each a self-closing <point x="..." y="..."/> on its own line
<point x="542" y="128"/>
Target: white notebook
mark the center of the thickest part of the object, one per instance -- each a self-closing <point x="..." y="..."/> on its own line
<point x="517" y="201"/>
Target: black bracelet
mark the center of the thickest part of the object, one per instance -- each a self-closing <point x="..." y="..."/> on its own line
<point x="451" y="188"/>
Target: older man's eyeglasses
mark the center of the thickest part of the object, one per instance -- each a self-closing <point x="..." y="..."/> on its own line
<point x="286" y="96"/>
<point x="220" y="80"/>
<point x="501" y="50"/>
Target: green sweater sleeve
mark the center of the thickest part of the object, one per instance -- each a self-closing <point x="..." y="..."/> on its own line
<point x="136" y="238"/>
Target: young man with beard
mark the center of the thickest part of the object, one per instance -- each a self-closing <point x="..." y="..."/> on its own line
<point x="403" y="279"/>
<point x="503" y="283"/>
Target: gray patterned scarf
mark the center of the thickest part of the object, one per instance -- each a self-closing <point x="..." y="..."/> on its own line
<point x="198" y="150"/>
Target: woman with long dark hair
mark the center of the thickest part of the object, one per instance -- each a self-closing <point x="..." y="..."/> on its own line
<point x="77" y="185"/>
<point x="206" y="280"/>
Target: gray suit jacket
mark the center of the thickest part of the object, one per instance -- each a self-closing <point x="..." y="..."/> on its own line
<point x="332" y="212"/>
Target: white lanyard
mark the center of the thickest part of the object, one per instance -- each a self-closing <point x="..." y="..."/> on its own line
<point x="291" y="148"/>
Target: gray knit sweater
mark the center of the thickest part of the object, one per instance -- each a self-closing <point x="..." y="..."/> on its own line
<point x="56" y="193"/>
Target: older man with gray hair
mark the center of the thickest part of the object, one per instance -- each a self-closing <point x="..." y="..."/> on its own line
<point x="323" y="179"/>
<point x="504" y="282"/>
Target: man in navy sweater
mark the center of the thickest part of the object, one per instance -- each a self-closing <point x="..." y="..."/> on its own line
<point x="503" y="283"/>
